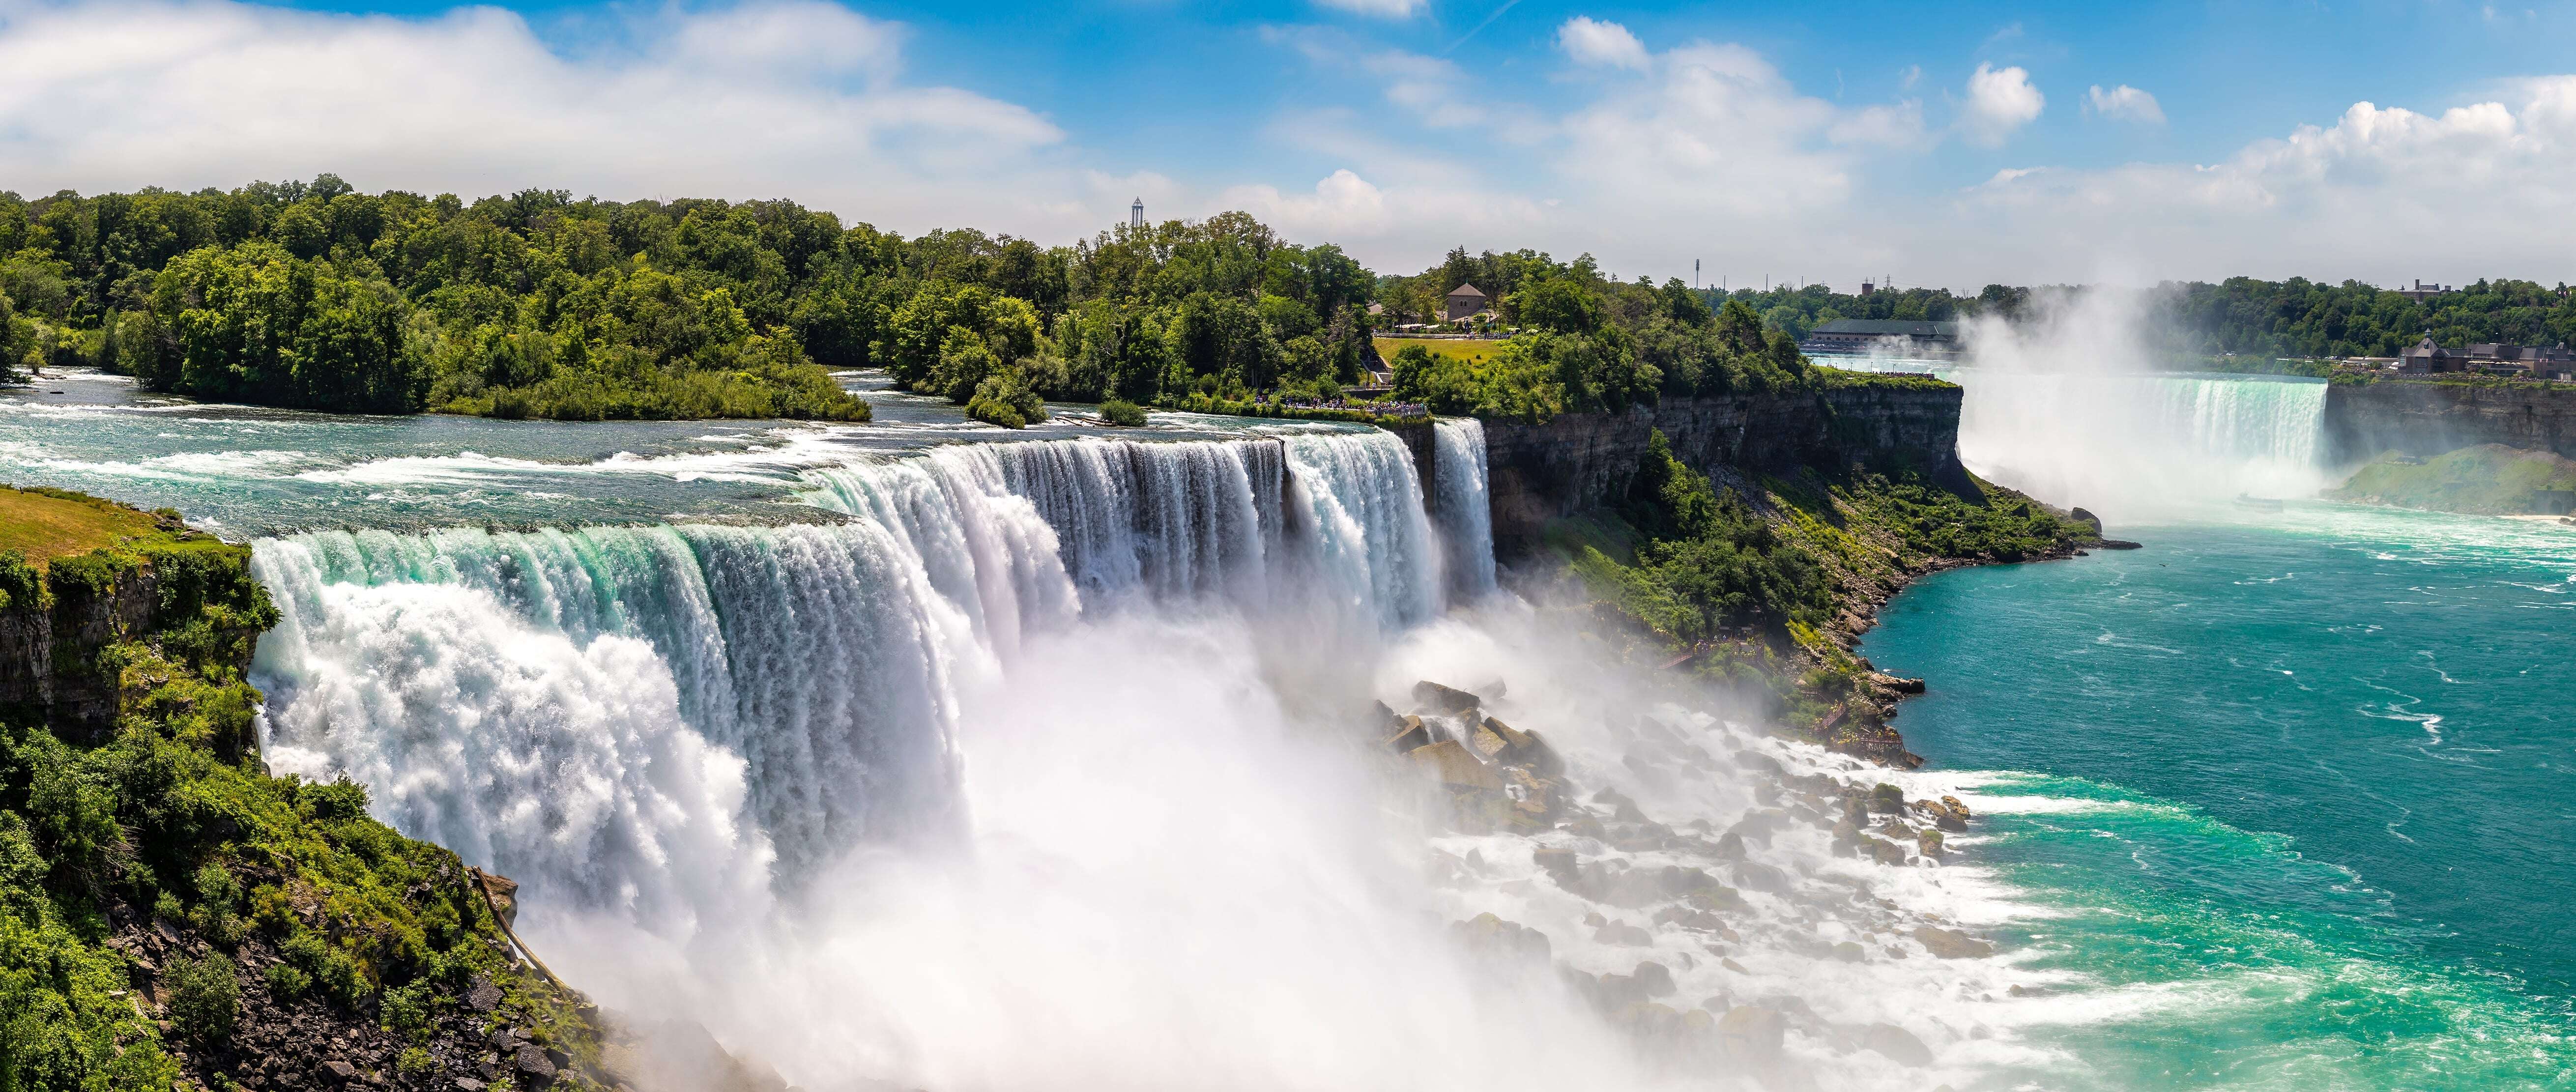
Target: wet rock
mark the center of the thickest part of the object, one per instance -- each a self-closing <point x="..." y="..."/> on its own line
<point x="1693" y="919"/>
<point x="1952" y="944"/>
<point x="1514" y="747"/>
<point x="1887" y="800"/>
<point x="1928" y="843"/>
<point x="1734" y="966"/>
<point x="1752" y="1033"/>
<point x="1536" y="800"/>
<point x="1622" y="933"/>
<point x="1943" y="815"/>
<point x="1760" y="877"/>
<point x="1495" y="938"/>
<point x="1758" y="762"/>
<point x="1407" y="734"/>
<point x="1898" y="1044"/>
<point x="1882" y="851"/>
<point x="1559" y="863"/>
<point x="1621" y="808"/>
<point x="1450" y="761"/>
<point x="1654" y="979"/>
<point x="1895" y="684"/>
<point x="1850" y="952"/>
<point x="1444" y="699"/>
<point x="1588" y="825"/>
<point x="1730" y="847"/>
<point x="483" y="996"/>
<point x="1718" y="898"/>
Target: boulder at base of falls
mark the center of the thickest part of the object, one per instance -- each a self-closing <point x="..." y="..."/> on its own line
<point x="1752" y="1034"/>
<point x="1449" y="761"/>
<point x="1898" y="1044"/>
<point x="1951" y="943"/>
<point x="1408" y="732"/>
<point x="1500" y="940"/>
<point x="1442" y="699"/>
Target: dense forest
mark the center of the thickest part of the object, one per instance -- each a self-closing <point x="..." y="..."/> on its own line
<point x="536" y="304"/>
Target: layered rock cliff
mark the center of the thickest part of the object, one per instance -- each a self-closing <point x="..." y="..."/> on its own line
<point x="1580" y="461"/>
<point x="2427" y="419"/>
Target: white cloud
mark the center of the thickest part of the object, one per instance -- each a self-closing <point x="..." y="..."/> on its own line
<point x="770" y="98"/>
<point x="1384" y="9"/>
<point x="2124" y="103"/>
<point x="2000" y="100"/>
<point x="2380" y="194"/>
<point x="1595" y="42"/>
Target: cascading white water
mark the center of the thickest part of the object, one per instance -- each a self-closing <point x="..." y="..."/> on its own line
<point x="1054" y="765"/>
<point x="2142" y="445"/>
<point x="1460" y="500"/>
<point x="644" y="716"/>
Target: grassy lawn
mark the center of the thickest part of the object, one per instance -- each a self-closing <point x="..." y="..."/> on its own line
<point x="45" y="526"/>
<point x="1468" y="350"/>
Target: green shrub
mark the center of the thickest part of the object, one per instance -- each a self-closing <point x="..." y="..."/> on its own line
<point x="287" y="982"/>
<point x="405" y="1009"/>
<point x="1122" y="413"/>
<point x="205" y="997"/>
<point x="1004" y="398"/>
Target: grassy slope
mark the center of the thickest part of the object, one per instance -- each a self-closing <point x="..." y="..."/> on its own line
<point x="170" y="915"/>
<point x="1468" y="349"/>
<point x="47" y="524"/>
<point x="2489" y="479"/>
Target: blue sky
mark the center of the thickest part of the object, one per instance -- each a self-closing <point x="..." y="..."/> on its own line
<point x="2023" y="143"/>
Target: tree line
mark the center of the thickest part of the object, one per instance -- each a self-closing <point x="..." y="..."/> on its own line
<point x="2240" y="316"/>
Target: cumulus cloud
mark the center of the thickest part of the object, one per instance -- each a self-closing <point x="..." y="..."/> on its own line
<point x="770" y="98"/>
<point x="2124" y="103"/>
<point x="1594" y="42"/>
<point x="2383" y="190"/>
<point x="2000" y="100"/>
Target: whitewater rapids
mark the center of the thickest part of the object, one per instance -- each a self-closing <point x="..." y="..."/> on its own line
<point x="1051" y="765"/>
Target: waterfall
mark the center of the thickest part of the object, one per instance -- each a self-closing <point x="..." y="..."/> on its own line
<point x="646" y="719"/>
<point x="1465" y="509"/>
<point x="2131" y="445"/>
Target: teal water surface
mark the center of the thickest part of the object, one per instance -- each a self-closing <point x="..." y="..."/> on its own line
<point x="2293" y="804"/>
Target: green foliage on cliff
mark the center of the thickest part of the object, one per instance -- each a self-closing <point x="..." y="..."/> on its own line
<point x="160" y="823"/>
<point x="1703" y="563"/>
<point x="2489" y="479"/>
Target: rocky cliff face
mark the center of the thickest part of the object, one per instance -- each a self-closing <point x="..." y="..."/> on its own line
<point x="2428" y="419"/>
<point x="1583" y="460"/>
<point x="67" y="632"/>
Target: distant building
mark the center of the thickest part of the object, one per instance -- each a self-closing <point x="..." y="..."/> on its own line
<point x="2423" y="291"/>
<point x="2493" y="358"/>
<point x="1466" y="301"/>
<point x="1843" y="335"/>
<point x="1136" y="214"/>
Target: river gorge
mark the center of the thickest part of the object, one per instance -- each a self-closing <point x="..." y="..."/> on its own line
<point x="923" y="754"/>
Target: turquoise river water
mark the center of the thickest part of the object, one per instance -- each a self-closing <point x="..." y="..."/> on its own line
<point x="2290" y="801"/>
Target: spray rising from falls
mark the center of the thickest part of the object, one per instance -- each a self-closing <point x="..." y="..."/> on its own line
<point x="645" y="717"/>
<point x="1056" y="765"/>
<point x="2133" y="445"/>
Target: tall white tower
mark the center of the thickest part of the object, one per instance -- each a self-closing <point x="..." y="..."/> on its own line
<point x="1136" y="214"/>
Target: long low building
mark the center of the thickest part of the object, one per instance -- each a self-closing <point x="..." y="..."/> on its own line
<point x="2536" y="361"/>
<point x="1906" y="336"/>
